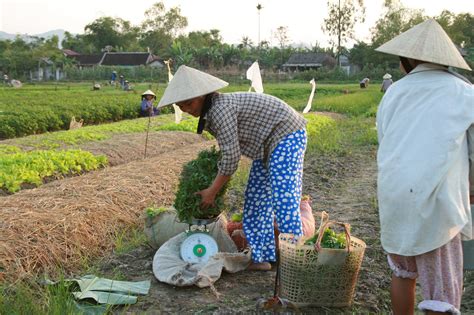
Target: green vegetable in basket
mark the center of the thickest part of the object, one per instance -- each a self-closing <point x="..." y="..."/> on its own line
<point x="197" y="175"/>
<point x="330" y="239"/>
<point x="236" y="217"/>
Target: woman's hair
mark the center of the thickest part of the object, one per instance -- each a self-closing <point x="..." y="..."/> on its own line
<point x="144" y="96"/>
<point x="406" y="64"/>
<point x="409" y="63"/>
<point x="205" y="108"/>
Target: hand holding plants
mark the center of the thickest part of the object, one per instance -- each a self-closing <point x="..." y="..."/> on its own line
<point x="208" y="197"/>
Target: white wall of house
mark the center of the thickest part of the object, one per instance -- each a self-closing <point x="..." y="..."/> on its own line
<point x="47" y="73"/>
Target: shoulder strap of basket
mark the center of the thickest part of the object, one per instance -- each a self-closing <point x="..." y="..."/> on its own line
<point x="346" y="226"/>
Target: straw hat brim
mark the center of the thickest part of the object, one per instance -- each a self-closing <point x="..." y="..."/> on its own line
<point x="188" y="83"/>
<point x="428" y="42"/>
<point x="387" y="76"/>
<point x="148" y="92"/>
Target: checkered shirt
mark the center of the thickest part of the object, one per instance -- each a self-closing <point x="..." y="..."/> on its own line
<point x="250" y="124"/>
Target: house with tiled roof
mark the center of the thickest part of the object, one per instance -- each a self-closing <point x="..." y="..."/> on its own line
<point x="119" y="59"/>
<point x="87" y="60"/>
<point x="308" y="61"/>
<point x="70" y="53"/>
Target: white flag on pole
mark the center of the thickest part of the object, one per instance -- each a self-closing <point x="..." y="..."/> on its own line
<point x="253" y="74"/>
<point x="178" y="114"/>
<point x="310" y="100"/>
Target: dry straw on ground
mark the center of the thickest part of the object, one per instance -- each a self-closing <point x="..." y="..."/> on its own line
<point x="67" y="222"/>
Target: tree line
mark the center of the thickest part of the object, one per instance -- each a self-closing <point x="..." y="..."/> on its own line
<point x="162" y="33"/>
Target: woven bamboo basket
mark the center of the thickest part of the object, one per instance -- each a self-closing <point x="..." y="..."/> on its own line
<point x="314" y="276"/>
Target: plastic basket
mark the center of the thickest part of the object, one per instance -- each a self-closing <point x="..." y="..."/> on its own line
<point x="323" y="277"/>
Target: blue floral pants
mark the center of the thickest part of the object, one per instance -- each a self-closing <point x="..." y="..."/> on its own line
<point x="274" y="192"/>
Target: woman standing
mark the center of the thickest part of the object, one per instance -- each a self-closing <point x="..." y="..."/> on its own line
<point x="387" y="81"/>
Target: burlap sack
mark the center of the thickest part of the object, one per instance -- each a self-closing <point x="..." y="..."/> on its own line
<point x="168" y="266"/>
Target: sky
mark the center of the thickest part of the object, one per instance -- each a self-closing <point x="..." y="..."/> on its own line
<point x="235" y="19"/>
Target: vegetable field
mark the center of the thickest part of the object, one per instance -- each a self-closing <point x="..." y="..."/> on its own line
<point x="44" y="108"/>
<point x="73" y="202"/>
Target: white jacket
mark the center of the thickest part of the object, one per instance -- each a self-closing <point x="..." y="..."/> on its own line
<point x="423" y="123"/>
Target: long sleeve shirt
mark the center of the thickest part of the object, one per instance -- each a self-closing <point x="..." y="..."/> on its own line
<point x="250" y="124"/>
<point x="424" y="122"/>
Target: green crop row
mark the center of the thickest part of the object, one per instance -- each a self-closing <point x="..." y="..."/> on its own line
<point x="40" y="108"/>
<point x="18" y="122"/>
<point x="43" y="108"/>
<point x="53" y="140"/>
<point x="18" y="168"/>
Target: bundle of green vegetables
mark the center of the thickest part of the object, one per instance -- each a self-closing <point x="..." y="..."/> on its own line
<point x="330" y="239"/>
<point x="197" y="175"/>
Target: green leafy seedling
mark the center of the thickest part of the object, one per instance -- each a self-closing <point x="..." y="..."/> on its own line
<point x="154" y="211"/>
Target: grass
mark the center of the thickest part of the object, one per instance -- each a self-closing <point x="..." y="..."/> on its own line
<point x="359" y="103"/>
<point x="33" y="298"/>
<point x="339" y="136"/>
<point x="126" y="240"/>
<point x="324" y="135"/>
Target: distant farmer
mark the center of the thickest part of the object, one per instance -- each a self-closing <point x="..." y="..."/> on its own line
<point x="6" y="80"/>
<point x="364" y="83"/>
<point x="387" y="81"/>
<point x="263" y="128"/>
<point x="147" y="107"/>
<point x="113" y="78"/>
<point x="127" y="86"/>
<point x="425" y="125"/>
<point x="122" y="81"/>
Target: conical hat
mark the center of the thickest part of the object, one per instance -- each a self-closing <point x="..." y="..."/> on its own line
<point x="189" y="83"/>
<point x="387" y="76"/>
<point x="148" y="92"/>
<point x="426" y="41"/>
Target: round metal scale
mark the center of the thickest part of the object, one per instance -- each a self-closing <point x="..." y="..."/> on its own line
<point x="198" y="247"/>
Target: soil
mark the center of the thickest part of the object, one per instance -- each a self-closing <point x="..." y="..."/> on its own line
<point x="125" y="148"/>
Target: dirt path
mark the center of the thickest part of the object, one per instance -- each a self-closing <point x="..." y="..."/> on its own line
<point x="352" y="198"/>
